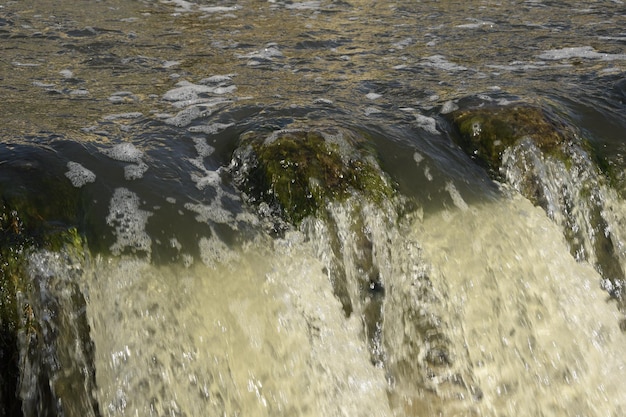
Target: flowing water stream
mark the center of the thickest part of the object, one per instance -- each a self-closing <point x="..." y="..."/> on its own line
<point x="469" y="290"/>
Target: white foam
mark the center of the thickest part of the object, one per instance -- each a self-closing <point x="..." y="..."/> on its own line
<point x="79" y="92"/>
<point x="210" y="129"/>
<point x="203" y="148"/>
<point x="305" y="5"/>
<point x="219" y="9"/>
<point x="403" y="43"/>
<point x="448" y="107"/>
<point x="135" y="171"/>
<point x="130" y="115"/>
<point x="457" y="199"/>
<point x="66" y="73"/>
<point x="218" y="79"/>
<point x="440" y="62"/>
<point x="170" y="64"/>
<point x="186" y="116"/>
<point x="372" y="110"/>
<point x="214" y="252"/>
<point x="212" y="213"/>
<point x="79" y="175"/>
<point x="129" y="222"/>
<point x="586" y="52"/>
<point x="122" y="97"/>
<point x="42" y="85"/>
<point x="125" y="152"/>
<point x="322" y="100"/>
<point x="210" y="178"/>
<point x="478" y="24"/>
<point x="373" y="96"/>
<point x="187" y="91"/>
<point x="427" y="123"/>
<point x="267" y="53"/>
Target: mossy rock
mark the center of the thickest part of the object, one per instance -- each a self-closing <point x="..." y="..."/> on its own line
<point x="486" y="132"/>
<point x="39" y="209"/>
<point x="297" y="172"/>
<point x="15" y="246"/>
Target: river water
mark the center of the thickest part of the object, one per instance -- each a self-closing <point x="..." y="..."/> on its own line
<point x="473" y="301"/>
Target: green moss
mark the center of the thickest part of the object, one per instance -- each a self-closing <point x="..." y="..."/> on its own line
<point x="486" y="132"/>
<point x="298" y="172"/>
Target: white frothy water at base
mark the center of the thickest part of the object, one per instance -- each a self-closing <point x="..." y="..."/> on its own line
<point x="260" y="332"/>
<point x="541" y="335"/>
<point x="261" y="336"/>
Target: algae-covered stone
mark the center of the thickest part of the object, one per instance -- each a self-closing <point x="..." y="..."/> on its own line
<point x="542" y="157"/>
<point x="296" y="172"/>
<point x="487" y="131"/>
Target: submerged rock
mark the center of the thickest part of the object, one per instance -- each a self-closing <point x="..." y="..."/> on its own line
<point x="295" y="173"/>
<point x="486" y="132"/>
<point x="543" y="157"/>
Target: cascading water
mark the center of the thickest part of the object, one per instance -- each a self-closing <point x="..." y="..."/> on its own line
<point x="312" y="208"/>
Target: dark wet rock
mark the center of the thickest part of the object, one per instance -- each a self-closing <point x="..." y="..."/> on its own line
<point x="544" y="158"/>
<point x="295" y="173"/>
<point x="39" y="212"/>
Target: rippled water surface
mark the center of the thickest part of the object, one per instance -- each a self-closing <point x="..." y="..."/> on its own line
<point x="461" y="298"/>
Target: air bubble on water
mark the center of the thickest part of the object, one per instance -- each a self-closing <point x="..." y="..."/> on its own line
<point x="418" y="157"/>
<point x="79" y="175"/>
